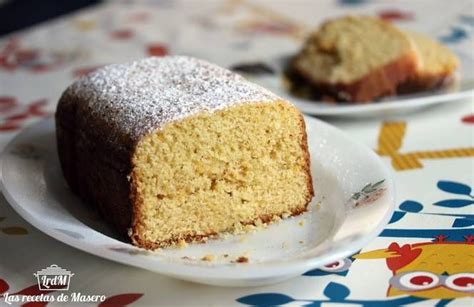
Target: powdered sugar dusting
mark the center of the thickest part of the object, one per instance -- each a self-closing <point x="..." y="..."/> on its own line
<point x="144" y="95"/>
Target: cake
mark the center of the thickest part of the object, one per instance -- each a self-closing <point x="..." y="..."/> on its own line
<point x="436" y="69"/>
<point x="175" y="149"/>
<point x="356" y="59"/>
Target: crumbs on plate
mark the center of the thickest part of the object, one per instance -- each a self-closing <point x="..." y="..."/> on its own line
<point x="208" y="258"/>
<point x="242" y="259"/>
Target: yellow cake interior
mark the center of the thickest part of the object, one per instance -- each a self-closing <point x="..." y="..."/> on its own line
<point x="212" y="173"/>
<point x="346" y="49"/>
<point x="436" y="59"/>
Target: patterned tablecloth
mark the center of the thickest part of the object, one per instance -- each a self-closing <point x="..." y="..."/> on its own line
<point x="430" y="151"/>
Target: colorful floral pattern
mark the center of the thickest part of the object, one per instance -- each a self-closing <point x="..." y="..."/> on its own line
<point x="431" y="152"/>
<point x="396" y="15"/>
<point x="14" y="114"/>
<point x="13" y="56"/>
<point x="415" y="267"/>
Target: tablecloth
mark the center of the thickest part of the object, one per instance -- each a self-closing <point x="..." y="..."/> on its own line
<point x="430" y="151"/>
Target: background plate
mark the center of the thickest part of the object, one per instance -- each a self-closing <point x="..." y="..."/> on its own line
<point x="463" y="88"/>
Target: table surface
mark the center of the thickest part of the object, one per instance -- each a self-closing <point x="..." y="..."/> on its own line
<point x="430" y="151"/>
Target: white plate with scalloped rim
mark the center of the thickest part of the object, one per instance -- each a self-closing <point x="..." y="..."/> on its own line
<point x="354" y="200"/>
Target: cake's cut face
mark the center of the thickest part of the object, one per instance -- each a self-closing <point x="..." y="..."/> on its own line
<point x="175" y="148"/>
<point x="215" y="172"/>
<point x="437" y="65"/>
<point x="436" y="59"/>
<point x="356" y="59"/>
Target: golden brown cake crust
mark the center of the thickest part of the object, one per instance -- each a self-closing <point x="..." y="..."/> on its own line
<point x="378" y="83"/>
<point x="95" y="150"/>
<point x="94" y="169"/>
<point x="307" y="169"/>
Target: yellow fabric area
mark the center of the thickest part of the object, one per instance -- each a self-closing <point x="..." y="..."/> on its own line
<point x="390" y="141"/>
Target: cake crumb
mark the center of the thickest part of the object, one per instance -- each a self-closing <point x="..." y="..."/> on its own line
<point x="208" y="258"/>
<point x="318" y="205"/>
<point x="237" y="229"/>
<point x="237" y="226"/>
<point x="301" y="223"/>
<point x="226" y="255"/>
<point x="276" y="218"/>
<point x="250" y="228"/>
<point x="225" y="235"/>
<point x="182" y="243"/>
<point x="301" y="242"/>
<point x="242" y="259"/>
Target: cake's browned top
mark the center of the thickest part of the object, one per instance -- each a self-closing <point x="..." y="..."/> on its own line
<point x="139" y="97"/>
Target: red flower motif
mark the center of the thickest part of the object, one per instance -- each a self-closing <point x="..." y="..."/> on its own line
<point x="157" y="49"/>
<point x="469" y="239"/>
<point x="121" y="300"/>
<point x="468" y="119"/>
<point x="13" y="56"/>
<point x="122" y="34"/>
<point x="440" y="238"/>
<point x="4" y="286"/>
<point x="16" y="114"/>
<point x="7" y="104"/>
<point x="26" y="55"/>
<point x="139" y="17"/>
<point x="79" y="72"/>
<point x="274" y="28"/>
<point x="6" y="60"/>
<point x="40" y="67"/>
<point x="35" y="304"/>
<point x="395" y="15"/>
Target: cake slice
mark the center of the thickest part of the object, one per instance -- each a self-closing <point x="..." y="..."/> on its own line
<point x="356" y="59"/>
<point x="176" y="149"/>
<point x="436" y="69"/>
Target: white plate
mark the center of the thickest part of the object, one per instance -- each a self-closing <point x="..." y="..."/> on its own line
<point x="334" y="227"/>
<point x="462" y="89"/>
